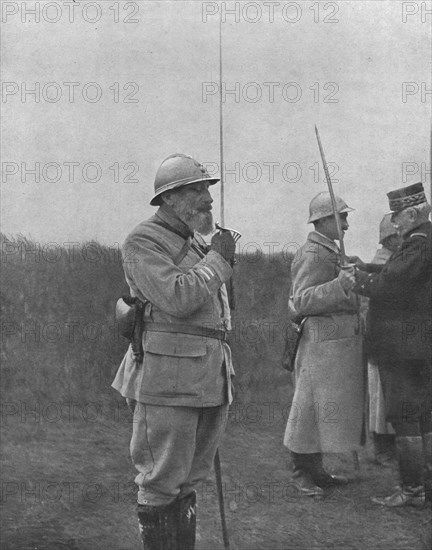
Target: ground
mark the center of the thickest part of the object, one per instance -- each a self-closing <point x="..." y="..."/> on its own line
<point x="67" y="479"/>
<point x="68" y="484"/>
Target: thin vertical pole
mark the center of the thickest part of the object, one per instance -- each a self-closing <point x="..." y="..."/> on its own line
<point x="222" y="198"/>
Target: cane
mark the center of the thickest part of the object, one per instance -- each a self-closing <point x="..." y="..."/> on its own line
<point x="218" y="474"/>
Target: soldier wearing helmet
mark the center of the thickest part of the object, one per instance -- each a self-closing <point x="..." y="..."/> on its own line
<point x="327" y="409"/>
<point x="320" y="207"/>
<point x="181" y="389"/>
<point x="382" y="431"/>
<point x="400" y="316"/>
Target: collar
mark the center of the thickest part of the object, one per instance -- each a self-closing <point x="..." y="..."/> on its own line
<point x="319" y="238"/>
<point x="423" y="229"/>
<point x="167" y="214"/>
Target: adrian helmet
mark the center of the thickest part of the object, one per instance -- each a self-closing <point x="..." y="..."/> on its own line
<point x="386" y="228"/>
<point x="321" y="206"/>
<point x="176" y="171"/>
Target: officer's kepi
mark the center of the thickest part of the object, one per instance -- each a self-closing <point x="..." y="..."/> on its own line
<point x="405" y="197"/>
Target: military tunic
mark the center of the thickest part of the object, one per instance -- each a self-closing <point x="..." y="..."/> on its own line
<point x="178" y="369"/>
<point x="401" y="323"/>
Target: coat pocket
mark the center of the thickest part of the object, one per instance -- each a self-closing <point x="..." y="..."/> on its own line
<point x="174" y="344"/>
<point x="173" y="364"/>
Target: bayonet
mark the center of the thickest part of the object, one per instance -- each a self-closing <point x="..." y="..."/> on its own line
<point x="333" y="201"/>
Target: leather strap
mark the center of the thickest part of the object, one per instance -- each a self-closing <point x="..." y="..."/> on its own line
<point x="189" y="243"/>
<point x="159" y="221"/>
<point x="205" y="332"/>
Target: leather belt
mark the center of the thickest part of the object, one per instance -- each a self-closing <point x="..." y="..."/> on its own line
<point x="204" y="332"/>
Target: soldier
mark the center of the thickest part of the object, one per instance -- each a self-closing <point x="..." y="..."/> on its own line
<point x="327" y="410"/>
<point x="382" y="431"/>
<point x="182" y="388"/>
<point x="400" y="295"/>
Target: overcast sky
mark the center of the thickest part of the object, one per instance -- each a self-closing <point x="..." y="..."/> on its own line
<point x="360" y="70"/>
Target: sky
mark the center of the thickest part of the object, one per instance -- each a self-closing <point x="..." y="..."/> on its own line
<point x="122" y="85"/>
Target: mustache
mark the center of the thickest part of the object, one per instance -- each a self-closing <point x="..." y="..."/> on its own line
<point x="197" y="219"/>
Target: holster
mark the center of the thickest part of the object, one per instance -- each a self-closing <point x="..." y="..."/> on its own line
<point x="130" y="321"/>
<point x="292" y="342"/>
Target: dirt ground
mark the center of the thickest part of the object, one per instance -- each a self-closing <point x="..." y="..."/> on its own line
<point x="68" y="484"/>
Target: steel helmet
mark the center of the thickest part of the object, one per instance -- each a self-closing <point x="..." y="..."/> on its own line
<point x="176" y="171"/>
<point x="386" y="228"/>
<point x="321" y="206"/>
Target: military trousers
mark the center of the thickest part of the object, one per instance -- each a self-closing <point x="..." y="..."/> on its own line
<point x="173" y="449"/>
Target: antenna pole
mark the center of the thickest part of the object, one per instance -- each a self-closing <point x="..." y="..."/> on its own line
<point x="222" y="198"/>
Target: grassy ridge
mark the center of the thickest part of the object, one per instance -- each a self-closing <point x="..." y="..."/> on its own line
<point x="59" y="339"/>
<point x="58" y="335"/>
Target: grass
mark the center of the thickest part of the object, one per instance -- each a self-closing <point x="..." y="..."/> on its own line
<point x="67" y="480"/>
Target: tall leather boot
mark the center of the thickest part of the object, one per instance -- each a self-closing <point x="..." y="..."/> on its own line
<point x="384" y="449"/>
<point x="186" y="522"/>
<point x="302" y="475"/>
<point x="322" y="478"/>
<point x="411" y="465"/>
<point x="158" y="526"/>
<point x="427" y="447"/>
<point x="410" y="451"/>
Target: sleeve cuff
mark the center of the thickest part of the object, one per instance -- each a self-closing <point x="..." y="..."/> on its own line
<point x="362" y="280"/>
<point x="216" y="262"/>
<point x="343" y="293"/>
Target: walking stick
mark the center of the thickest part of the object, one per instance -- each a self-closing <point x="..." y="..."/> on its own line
<point x="218" y="474"/>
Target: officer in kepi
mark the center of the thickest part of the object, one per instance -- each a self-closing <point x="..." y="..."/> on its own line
<point x="400" y="295"/>
<point x="382" y="432"/>
<point x="181" y="390"/>
<point x="327" y="409"/>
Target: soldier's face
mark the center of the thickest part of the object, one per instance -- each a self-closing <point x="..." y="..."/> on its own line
<point x="197" y="195"/>
<point x="328" y="227"/>
<point x="193" y="204"/>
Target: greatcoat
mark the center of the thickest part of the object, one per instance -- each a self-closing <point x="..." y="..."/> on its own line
<point x="328" y="403"/>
